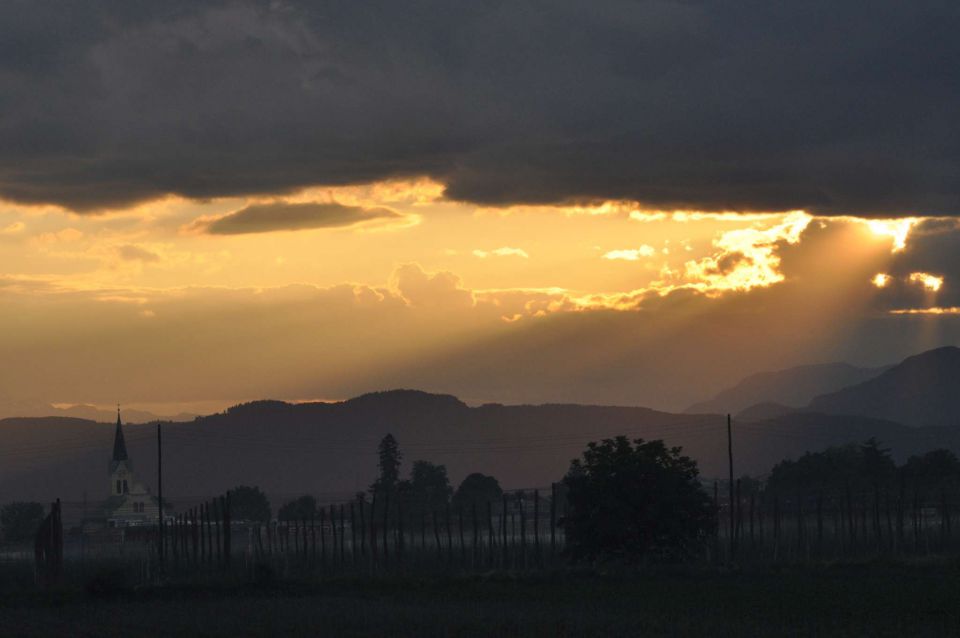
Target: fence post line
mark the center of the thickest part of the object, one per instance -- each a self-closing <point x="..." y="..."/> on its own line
<point x="227" y="531"/>
<point x="523" y="528"/>
<point x="386" y="527"/>
<point x="553" y="519"/>
<point x="160" y="522"/>
<point x="343" y="549"/>
<point x="449" y="536"/>
<point x="423" y="528"/>
<point x="373" y="529"/>
<point x="203" y="538"/>
<point x="195" y="536"/>
<point x="536" y="528"/>
<point x="323" y="537"/>
<point x="436" y="535"/>
<point x="716" y="510"/>
<point x="400" y="529"/>
<point x="353" y="533"/>
<point x="491" y="534"/>
<point x="739" y="514"/>
<point x="801" y="527"/>
<point x="819" y="523"/>
<point x="476" y="536"/>
<point x="463" y="542"/>
<point x="776" y="526"/>
<point x="503" y="526"/>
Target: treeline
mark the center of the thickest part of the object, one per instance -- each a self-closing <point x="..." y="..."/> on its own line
<point x="865" y="467"/>
<point x="427" y="489"/>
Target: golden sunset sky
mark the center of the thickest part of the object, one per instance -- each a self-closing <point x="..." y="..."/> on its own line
<point x="627" y="203"/>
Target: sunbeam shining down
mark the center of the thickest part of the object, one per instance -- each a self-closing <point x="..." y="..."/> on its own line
<point x="424" y="318"/>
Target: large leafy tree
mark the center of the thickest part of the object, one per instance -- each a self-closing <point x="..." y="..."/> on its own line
<point x="428" y="488"/>
<point x="477" y="489"/>
<point x="932" y="473"/>
<point x="20" y="520"/>
<point x="635" y="500"/>
<point x="300" y="509"/>
<point x="249" y="504"/>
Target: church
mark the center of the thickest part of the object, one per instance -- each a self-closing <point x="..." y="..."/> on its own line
<point x="130" y="502"/>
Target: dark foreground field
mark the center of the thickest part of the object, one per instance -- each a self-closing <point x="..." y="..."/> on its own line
<point x="841" y="600"/>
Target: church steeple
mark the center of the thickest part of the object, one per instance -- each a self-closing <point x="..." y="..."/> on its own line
<point x="119" y="445"/>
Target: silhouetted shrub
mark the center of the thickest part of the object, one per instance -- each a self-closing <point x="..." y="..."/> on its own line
<point x="630" y="501"/>
<point x="249" y="504"/>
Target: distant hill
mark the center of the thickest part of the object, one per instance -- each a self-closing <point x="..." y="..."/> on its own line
<point x="764" y="411"/>
<point x="923" y="390"/>
<point x="36" y="408"/>
<point x="329" y="449"/>
<point x="793" y="387"/>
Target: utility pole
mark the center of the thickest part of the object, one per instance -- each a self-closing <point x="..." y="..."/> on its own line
<point x="733" y="542"/>
<point x="160" y="491"/>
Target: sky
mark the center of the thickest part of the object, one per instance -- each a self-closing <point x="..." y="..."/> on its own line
<point x="632" y="203"/>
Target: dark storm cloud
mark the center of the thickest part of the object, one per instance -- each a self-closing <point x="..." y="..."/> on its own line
<point x="834" y="106"/>
<point x="265" y="218"/>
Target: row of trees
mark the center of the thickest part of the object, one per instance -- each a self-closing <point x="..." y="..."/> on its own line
<point x="624" y="499"/>
<point x="864" y="467"/>
<point x="427" y="489"/>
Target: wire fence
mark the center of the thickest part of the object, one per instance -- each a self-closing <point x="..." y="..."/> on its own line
<point x="521" y="531"/>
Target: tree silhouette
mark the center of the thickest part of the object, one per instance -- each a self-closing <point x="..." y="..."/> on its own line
<point x="835" y="469"/>
<point x="629" y="501"/>
<point x="389" y="463"/>
<point x="20" y="520"/>
<point x="478" y="489"/>
<point x="249" y="504"/>
<point x="300" y="509"/>
<point x="933" y="472"/>
<point x="428" y="489"/>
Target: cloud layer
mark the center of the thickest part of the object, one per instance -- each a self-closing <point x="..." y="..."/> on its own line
<point x="827" y="106"/>
<point x="265" y="218"/>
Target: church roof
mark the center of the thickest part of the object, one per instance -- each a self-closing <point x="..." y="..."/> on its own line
<point x="119" y="445"/>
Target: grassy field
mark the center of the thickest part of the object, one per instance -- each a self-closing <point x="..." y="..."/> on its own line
<point x="852" y="599"/>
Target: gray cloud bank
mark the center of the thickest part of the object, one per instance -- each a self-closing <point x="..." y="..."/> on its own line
<point x="264" y="218"/>
<point x="830" y="105"/>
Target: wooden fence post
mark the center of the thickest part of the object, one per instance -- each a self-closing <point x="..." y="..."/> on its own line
<point x="476" y="536"/>
<point x="227" y="531"/>
<point x="353" y="534"/>
<point x="820" y="523"/>
<point x="523" y="529"/>
<point x="343" y="522"/>
<point x="503" y="526"/>
<point x="491" y="535"/>
<point x="195" y="536"/>
<point x="386" y="527"/>
<point x="463" y="543"/>
<point x="436" y="535"/>
<point x="538" y="558"/>
<point x="449" y="537"/>
<point x="323" y="537"/>
<point x="553" y="519"/>
<point x="373" y="529"/>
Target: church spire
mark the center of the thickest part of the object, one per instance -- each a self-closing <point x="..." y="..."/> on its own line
<point x="119" y="445"/>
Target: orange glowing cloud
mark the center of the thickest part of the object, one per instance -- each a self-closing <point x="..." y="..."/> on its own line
<point x="932" y="283"/>
<point x="896" y="229"/>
